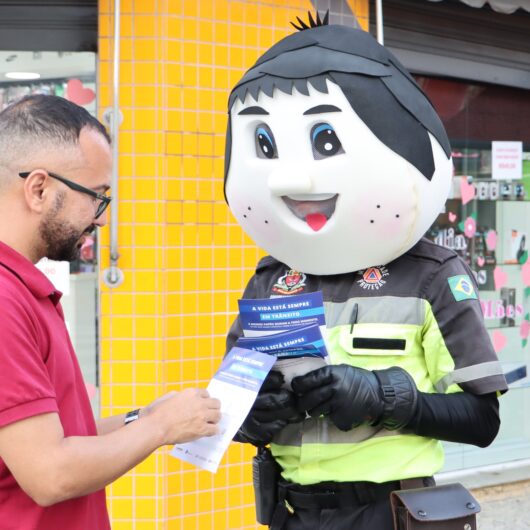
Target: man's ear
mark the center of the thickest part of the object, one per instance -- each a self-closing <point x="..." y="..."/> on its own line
<point x="36" y="190"/>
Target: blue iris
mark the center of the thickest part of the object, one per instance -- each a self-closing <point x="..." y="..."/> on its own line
<point x="324" y="141"/>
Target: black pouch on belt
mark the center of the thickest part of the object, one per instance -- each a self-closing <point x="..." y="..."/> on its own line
<point x="265" y="476"/>
<point x="446" y="507"/>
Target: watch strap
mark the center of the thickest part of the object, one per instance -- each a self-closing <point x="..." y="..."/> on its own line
<point x="131" y="416"/>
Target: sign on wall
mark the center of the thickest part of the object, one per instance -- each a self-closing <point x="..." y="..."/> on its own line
<point x="507" y="160"/>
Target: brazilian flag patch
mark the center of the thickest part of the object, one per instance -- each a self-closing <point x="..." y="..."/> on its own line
<point x="462" y="287"/>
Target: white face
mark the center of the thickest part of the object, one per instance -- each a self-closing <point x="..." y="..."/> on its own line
<point x="311" y="184"/>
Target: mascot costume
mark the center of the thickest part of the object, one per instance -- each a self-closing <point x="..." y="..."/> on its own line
<point x="337" y="164"/>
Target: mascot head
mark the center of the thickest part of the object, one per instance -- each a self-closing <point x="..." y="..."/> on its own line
<point x="335" y="159"/>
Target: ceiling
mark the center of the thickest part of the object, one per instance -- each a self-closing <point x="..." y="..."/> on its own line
<point x="50" y="65"/>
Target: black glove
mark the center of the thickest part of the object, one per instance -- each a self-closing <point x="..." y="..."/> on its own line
<point x="351" y="396"/>
<point x="273" y="409"/>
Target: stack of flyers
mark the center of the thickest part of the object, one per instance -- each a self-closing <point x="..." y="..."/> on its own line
<point x="291" y="328"/>
<point x="265" y="316"/>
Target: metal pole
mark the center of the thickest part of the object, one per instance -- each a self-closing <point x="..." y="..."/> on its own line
<point x="379" y="21"/>
<point x="114" y="276"/>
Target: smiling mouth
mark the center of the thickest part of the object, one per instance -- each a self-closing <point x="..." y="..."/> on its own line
<point x="315" y="210"/>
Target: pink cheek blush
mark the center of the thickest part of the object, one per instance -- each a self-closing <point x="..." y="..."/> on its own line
<point x="393" y="228"/>
<point x="384" y="221"/>
<point x="256" y="223"/>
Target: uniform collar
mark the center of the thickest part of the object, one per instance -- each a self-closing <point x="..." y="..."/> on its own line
<point x="39" y="285"/>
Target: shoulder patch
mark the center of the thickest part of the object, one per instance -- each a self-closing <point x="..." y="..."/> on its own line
<point x="462" y="287"/>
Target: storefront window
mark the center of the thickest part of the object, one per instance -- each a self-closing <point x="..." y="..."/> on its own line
<point x="487" y="222"/>
<point x="71" y="75"/>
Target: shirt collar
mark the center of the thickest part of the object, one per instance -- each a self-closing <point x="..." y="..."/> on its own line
<point x="35" y="280"/>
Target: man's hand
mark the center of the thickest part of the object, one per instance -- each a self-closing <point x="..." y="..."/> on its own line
<point x="273" y="409"/>
<point x="185" y="416"/>
<point x="351" y="396"/>
<point x="68" y="467"/>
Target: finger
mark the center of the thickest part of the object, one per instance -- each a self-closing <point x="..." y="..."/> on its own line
<point x="262" y="432"/>
<point x="213" y="416"/>
<point x="210" y="430"/>
<point x="316" y="402"/>
<point x="314" y="379"/>
<point x="273" y="381"/>
<point x="213" y="403"/>
<point x="202" y="392"/>
<point x="288" y="414"/>
<point x="277" y="400"/>
<point x="342" y="423"/>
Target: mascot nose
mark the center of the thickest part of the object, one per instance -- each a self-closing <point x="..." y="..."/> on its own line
<point x="289" y="181"/>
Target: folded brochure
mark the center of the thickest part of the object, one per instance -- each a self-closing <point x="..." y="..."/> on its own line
<point x="236" y="384"/>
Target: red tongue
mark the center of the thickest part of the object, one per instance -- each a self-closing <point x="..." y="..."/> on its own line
<point x="316" y="220"/>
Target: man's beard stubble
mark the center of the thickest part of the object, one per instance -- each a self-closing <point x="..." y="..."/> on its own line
<point x="60" y="238"/>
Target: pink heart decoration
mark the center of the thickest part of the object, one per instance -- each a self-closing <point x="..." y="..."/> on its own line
<point x="524" y="330"/>
<point x="500" y="278"/>
<point x="499" y="340"/>
<point x="480" y="261"/>
<point x="491" y="240"/>
<point x="452" y="217"/>
<point x="77" y="93"/>
<point x="470" y="227"/>
<point x="525" y="271"/>
<point x="467" y="191"/>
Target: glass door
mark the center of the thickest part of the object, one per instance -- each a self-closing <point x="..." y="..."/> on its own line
<point x="487" y="222"/>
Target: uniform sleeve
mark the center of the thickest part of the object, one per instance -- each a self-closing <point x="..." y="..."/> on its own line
<point x="25" y="387"/>
<point x="458" y="350"/>
<point x="236" y="330"/>
<point x="460" y="417"/>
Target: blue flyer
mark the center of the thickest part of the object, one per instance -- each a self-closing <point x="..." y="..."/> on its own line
<point x="299" y="342"/>
<point x="274" y="315"/>
<point x="236" y="384"/>
<point x="244" y="368"/>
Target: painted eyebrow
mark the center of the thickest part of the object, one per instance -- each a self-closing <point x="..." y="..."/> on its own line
<point x="252" y="110"/>
<point x="322" y="108"/>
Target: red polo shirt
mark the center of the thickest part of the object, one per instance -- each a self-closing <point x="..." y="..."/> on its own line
<point x="39" y="373"/>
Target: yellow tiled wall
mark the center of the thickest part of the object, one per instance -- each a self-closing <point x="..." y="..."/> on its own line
<point x="185" y="259"/>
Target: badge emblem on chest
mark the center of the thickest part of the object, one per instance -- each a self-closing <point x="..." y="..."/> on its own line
<point x="291" y="283"/>
<point x="372" y="278"/>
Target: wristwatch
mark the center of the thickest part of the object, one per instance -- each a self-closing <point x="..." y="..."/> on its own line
<point x="131" y="416"/>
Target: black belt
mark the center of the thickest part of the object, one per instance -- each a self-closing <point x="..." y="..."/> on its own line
<point x="330" y="495"/>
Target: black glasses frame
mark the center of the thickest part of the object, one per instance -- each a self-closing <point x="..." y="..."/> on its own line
<point x="102" y="206"/>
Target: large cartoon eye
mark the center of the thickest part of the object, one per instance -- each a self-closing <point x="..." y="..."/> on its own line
<point x="324" y="141"/>
<point x="265" y="144"/>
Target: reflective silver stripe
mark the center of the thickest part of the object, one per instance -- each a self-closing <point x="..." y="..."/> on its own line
<point x="469" y="373"/>
<point x="323" y="431"/>
<point x="377" y="309"/>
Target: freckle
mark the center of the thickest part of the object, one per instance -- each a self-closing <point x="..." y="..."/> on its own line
<point x="249" y="208"/>
<point x="371" y="220"/>
<point x="397" y="215"/>
<point x="379" y="206"/>
<point x="245" y="215"/>
<point x="266" y="222"/>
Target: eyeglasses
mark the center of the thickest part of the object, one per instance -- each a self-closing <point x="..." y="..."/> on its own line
<point x="104" y="200"/>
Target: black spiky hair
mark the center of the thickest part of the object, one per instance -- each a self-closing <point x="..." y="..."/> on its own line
<point x="313" y="22"/>
<point x="377" y="86"/>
